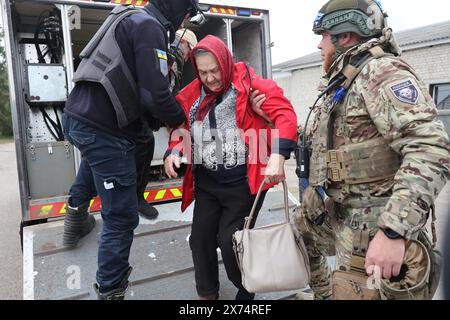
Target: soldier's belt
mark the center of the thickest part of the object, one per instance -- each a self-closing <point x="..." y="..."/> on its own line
<point x="364" y="162"/>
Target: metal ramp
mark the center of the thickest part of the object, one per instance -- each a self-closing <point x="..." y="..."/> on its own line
<point x="160" y="256"/>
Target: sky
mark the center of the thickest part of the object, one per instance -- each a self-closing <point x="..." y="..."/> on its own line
<point x="291" y="21"/>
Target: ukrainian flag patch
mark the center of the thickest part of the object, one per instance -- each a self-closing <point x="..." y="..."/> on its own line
<point x="161" y="57"/>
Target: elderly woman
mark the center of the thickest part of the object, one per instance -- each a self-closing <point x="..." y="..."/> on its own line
<point x="234" y="151"/>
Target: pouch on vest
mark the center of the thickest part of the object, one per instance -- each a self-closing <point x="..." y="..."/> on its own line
<point x="355" y="284"/>
<point x="316" y="205"/>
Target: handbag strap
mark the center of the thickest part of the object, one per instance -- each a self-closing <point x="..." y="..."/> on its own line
<point x="249" y="219"/>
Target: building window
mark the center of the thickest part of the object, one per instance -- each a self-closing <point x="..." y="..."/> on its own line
<point x="441" y="95"/>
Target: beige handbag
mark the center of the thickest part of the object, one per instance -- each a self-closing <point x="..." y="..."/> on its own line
<point x="271" y="258"/>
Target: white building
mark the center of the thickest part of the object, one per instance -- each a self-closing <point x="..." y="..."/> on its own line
<point x="427" y="49"/>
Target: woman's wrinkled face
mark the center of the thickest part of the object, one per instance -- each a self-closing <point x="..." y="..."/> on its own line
<point x="209" y="72"/>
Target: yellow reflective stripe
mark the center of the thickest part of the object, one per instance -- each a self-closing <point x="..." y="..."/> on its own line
<point x="128" y="1"/>
<point x="91" y="203"/>
<point x="117" y="1"/>
<point x="176" y="193"/>
<point x="146" y="195"/>
<point x="160" y="195"/>
<point x="63" y="209"/>
<point x="45" y="210"/>
<point x="223" y="10"/>
<point x="139" y="2"/>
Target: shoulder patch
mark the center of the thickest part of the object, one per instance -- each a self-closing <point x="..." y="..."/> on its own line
<point x="161" y="57"/>
<point x="406" y="92"/>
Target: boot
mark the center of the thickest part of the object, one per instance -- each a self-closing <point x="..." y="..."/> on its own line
<point x="146" y="210"/>
<point x="115" y="294"/>
<point x="243" y="294"/>
<point x="77" y="224"/>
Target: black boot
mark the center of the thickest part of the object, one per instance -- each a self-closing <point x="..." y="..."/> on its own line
<point x="146" y="210"/>
<point x="115" y="294"/>
<point x="244" y="295"/>
<point x="77" y="224"/>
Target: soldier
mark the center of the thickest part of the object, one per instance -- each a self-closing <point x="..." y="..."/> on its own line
<point x="379" y="154"/>
<point x="180" y="50"/>
<point x="379" y="157"/>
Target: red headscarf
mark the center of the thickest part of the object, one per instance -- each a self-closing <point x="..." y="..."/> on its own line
<point x="224" y="59"/>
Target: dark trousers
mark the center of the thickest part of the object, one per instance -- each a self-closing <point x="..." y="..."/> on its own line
<point x="219" y="211"/>
<point x="108" y="167"/>
<point x="145" y="146"/>
<point x="84" y="189"/>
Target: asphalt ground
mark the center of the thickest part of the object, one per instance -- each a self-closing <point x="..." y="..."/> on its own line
<point x="10" y="250"/>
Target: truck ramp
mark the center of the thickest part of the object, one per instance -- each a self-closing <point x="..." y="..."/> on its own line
<point x="160" y="256"/>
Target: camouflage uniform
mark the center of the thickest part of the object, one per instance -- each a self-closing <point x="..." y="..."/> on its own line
<point x="177" y="66"/>
<point x="389" y="102"/>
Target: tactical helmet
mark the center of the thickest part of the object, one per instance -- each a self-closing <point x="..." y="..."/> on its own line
<point x="363" y="17"/>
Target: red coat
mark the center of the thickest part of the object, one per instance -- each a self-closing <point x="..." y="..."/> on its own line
<point x="277" y="107"/>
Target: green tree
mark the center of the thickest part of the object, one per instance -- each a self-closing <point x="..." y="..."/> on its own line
<point x="6" y="129"/>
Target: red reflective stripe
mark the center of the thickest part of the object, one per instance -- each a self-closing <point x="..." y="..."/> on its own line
<point x="96" y="205"/>
<point x="58" y="209"/>
<point x="164" y="194"/>
<point x="49" y="210"/>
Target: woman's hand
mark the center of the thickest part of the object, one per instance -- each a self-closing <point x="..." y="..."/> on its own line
<point x="275" y="169"/>
<point x="257" y="99"/>
<point x="169" y="163"/>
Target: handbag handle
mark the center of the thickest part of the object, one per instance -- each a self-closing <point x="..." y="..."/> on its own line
<point x="249" y="219"/>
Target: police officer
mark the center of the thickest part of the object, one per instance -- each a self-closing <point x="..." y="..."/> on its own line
<point x="375" y="157"/>
<point x="122" y="79"/>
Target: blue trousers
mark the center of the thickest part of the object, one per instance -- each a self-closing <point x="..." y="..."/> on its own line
<point x="108" y="168"/>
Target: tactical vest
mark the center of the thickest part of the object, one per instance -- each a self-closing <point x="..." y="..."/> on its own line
<point x="103" y="62"/>
<point x="352" y="163"/>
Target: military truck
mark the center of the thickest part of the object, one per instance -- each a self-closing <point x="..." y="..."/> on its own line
<point x="43" y="39"/>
